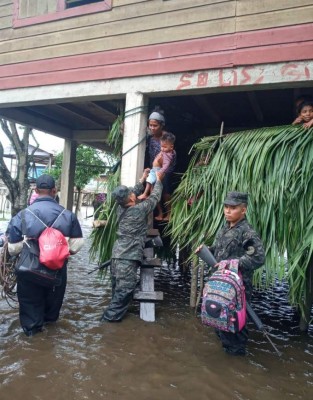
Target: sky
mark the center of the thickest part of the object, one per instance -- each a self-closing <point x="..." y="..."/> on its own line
<point x="49" y="143"/>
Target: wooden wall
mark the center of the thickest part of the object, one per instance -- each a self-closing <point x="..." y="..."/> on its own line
<point x="139" y="23"/>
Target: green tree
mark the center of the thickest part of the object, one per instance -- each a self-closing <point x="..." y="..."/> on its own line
<point x="89" y="164"/>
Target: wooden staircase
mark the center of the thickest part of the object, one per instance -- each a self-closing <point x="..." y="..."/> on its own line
<point x="146" y="294"/>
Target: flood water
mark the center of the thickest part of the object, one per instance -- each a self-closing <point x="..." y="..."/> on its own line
<point x="175" y="357"/>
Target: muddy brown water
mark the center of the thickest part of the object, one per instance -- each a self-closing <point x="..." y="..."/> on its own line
<point x="175" y="357"/>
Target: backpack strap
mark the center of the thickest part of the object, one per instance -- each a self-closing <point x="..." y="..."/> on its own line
<point x="231" y="265"/>
<point x="42" y="221"/>
<point x="37" y="217"/>
<point x="58" y="217"/>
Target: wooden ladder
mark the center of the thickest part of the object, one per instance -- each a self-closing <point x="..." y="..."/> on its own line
<point x="147" y="295"/>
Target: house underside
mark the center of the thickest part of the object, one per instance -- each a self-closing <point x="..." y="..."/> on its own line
<point x="196" y="104"/>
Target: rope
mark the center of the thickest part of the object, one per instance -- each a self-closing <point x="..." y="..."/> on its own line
<point x="7" y="275"/>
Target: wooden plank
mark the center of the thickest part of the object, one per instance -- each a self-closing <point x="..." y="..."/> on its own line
<point x="121" y="3"/>
<point x="56" y="112"/>
<point x="150" y="262"/>
<point x="152" y="296"/>
<point x="274" y="19"/>
<point x="42" y="7"/>
<point x="153" y="232"/>
<point x="278" y="35"/>
<point x="123" y="56"/>
<point x="5" y="22"/>
<point x="42" y="124"/>
<point x="86" y="115"/>
<point x="112" y="29"/>
<point x="221" y="44"/>
<point x="126" y="14"/>
<point x="90" y="135"/>
<point x="6" y="3"/>
<point x="100" y="112"/>
<point x="31" y="8"/>
<point x="6" y="11"/>
<point x="187" y="79"/>
<point x="165" y="35"/>
<point x="242" y="72"/>
<point x="52" y="6"/>
<point x="23" y="9"/>
<point x="147" y="310"/>
<point x="245" y="7"/>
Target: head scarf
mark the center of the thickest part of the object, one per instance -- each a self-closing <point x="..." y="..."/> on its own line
<point x="157" y="116"/>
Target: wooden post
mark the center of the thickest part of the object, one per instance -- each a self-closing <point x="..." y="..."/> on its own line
<point x="147" y="295"/>
<point x="308" y="299"/>
<point x="134" y="131"/>
<point x="68" y="173"/>
<point x="147" y="309"/>
<point x="194" y="285"/>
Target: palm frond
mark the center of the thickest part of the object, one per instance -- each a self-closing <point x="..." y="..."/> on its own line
<point x="275" y="166"/>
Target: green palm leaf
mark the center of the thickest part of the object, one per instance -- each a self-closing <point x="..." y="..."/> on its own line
<point x="275" y="166"/>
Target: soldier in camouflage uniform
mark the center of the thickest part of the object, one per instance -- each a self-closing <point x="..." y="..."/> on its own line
<point x="238" y="240"/>
<point x="128" y="248"/>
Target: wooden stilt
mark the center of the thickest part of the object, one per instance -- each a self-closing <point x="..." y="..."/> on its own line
<point x="308" y="299"/>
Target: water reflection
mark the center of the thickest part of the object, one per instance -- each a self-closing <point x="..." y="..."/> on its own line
<point x="173" y="358"/>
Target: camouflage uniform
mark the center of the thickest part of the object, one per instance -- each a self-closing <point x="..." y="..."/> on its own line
<point x="127" y="251"/>
<point x="243" y="243"/>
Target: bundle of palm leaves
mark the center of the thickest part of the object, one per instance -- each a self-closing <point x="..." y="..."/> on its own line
<point x="103" y="237"/>
<point x="275" y="166"/>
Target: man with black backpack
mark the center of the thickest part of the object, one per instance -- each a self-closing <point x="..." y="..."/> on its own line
<point x="237" y="240"/>
<point x="40" y="303"/>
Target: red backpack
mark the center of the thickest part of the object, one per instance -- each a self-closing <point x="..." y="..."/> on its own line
<point x="53" y="246"/>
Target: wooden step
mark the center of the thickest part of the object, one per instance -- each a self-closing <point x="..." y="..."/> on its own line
<point x="151" y="262"/>
<point x="153" y="232"/>
<point x="148" y="296"/>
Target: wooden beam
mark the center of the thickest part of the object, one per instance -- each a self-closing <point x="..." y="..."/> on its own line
<point x="207" y="108"/>
<point x="90" y="135"/>
<point x="152" y="296"/>
<point x="88" y="111"/>
<point x="24" y="117"/>
<point x="98" y="145"/>
<point x="110" y="116"/>
<point x="68" y="173"/>
<point x="111" y="107"/>
<point x="77" y="114"/>
<point x="255" y="106"/>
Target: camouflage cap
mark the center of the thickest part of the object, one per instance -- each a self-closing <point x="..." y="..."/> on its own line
<point x="120" y="194"/>
<point x="236" y="198"/>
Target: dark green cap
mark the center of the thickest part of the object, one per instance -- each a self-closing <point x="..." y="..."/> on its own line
<point x="120" y="194"/>
<point x="236" y="198"/>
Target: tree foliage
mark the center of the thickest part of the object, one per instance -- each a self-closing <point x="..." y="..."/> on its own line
<point x="275" y="166"/>
<point x="89" y="164"/>
<point x="19" y="185"/>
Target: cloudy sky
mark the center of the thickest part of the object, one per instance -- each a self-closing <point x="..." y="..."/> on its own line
<point x="49" y="143"/>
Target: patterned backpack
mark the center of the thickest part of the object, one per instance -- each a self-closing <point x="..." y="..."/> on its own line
<point x="224" y="301"/>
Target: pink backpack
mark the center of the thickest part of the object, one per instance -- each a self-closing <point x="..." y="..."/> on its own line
<point x="224" y="301"/>
<point x="53" y="246"/>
